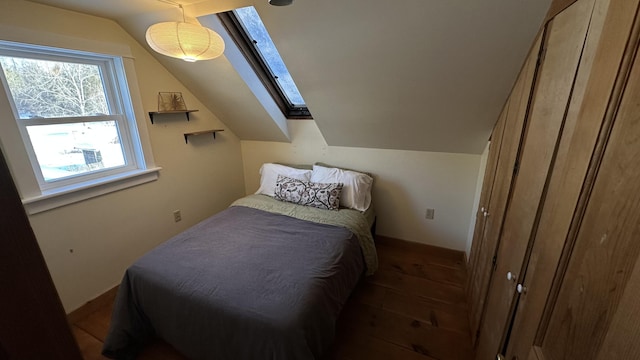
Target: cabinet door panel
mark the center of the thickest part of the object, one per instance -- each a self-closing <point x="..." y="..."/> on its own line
<point x="556" y="7"/>
<point x="481" y="219"/>
<point x="564" y="45"/>
<point x="623" y="337"/>
<point x="592" y="95"/>
<point x="487" y="187"/>
<point x="606" y="250"/>
<point x="487" y="237"/>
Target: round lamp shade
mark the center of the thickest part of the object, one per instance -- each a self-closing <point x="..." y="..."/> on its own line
<point x="189" y="42"/>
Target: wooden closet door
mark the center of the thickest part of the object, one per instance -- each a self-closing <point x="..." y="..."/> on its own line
<point x="594" y="313"/>
<point x="565" y="39"/>
<point x="487" y="187"/>
<point x="33" y="325"/>
<point x="481" y="218"/>
<point x="597" y="90"/>
<point x="486" y="237"/>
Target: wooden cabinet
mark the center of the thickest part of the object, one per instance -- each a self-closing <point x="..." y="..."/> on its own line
<point x="569" y="227"/>
<point x="501" y="167"/>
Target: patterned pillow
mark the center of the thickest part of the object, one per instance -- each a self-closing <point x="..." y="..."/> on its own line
<point x="322" y="196"/>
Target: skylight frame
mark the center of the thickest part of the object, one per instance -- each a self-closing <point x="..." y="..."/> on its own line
<point x="251" y="52"/>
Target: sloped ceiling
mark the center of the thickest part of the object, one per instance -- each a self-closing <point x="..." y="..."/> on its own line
<point x="428" y="75"/>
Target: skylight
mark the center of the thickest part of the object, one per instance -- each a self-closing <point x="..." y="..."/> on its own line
<point x="252" y="24"/>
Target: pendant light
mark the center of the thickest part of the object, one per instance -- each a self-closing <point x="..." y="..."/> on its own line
<point x="183" y="40"/>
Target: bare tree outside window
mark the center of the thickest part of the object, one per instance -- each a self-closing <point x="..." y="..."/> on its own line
<point x="74" y="134"/>
<point x="47" y="89"/>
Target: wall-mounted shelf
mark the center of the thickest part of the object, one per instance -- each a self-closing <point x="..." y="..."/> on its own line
<point x="186" y="112"/>
<point x="195" y="133"/>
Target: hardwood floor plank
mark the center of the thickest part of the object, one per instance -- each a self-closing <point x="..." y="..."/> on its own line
<point x="422" y="257"/>
<point x="410" y="333"/>
<point x="436" y="252"/>
<point x="93" y="305"/>
<point x="453" y="315"/>
<point x="90" y="347"/>
<point x="417" y="286"/>
<point x="411" y="265"/>
<point x="369" y="294"/>
<point x="97" y="323"/>
<point x="433" y="313"/>
<point x="355" y="345"/>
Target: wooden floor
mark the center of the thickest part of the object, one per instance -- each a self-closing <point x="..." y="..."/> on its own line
<point x="412" y="308"/>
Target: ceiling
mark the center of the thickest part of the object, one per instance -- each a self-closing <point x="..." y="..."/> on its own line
<point x="426" y="75"/>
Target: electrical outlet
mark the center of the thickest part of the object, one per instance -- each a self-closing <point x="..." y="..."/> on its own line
<point x="429" y="214"/>
<point x="177" y="216"/>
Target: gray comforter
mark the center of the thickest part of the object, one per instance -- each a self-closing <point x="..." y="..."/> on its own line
<point x="243" y="284"/>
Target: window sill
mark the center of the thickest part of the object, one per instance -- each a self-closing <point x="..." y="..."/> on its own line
<point x="52" y="199"/>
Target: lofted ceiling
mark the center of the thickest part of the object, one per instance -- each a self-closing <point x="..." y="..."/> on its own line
<point x="426" y="75"/>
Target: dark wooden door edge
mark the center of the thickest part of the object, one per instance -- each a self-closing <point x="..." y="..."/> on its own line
<point x="34" y="325"/>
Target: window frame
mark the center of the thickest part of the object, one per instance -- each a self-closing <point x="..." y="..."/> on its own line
<point x="252" y="54"/>
<point x="34" y="199"/>
<point x="118" y="98"/>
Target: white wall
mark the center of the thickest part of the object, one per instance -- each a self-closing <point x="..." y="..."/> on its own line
<point x="88" y="245"/>
<point x="406" y="182"/>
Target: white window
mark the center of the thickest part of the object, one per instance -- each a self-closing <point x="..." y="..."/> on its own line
<point x="74" y="114"/>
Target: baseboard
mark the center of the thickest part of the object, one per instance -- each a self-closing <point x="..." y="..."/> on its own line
<point x="93" y="305"/>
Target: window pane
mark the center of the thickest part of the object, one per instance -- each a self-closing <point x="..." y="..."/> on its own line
<point x="70" y="149"/>
<point x="254" y="27"/>
<point x="49" y="89"/>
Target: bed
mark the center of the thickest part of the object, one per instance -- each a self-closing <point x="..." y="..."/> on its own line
<point x="264" y="279"/>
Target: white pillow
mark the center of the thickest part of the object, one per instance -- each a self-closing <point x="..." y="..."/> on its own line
<point x="356" y="190"/>
<point x="269" y="175"/>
